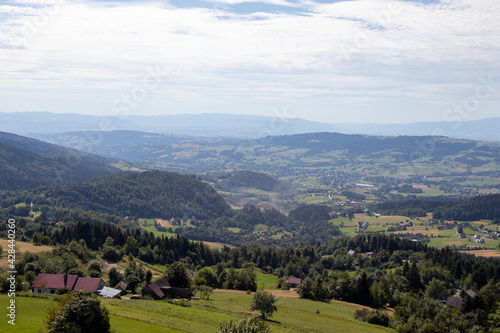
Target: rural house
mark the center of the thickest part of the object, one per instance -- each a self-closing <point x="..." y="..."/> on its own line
<point x="162" y="289"/>
<point x="293" y="282"/>
<point x="122" y="286"/>
<point x="49" y="283"/>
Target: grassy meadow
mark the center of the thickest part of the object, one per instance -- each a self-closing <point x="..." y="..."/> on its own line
<point x="293" y="315"/>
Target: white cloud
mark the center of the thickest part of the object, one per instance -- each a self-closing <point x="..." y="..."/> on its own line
<point x="365" y="49"/>
<point x="271" y="2"/>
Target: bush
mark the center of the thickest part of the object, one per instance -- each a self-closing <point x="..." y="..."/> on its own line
<point x="373" y="317"/>
<point x="94" y="265"/>
<point x="244" y="325"/>
<point x="112" y="254"/>
<point x="62" y="290"/>
<point x="80" y="311"/>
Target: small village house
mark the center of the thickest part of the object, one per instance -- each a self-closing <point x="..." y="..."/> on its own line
<point x="293" y="282"/>
<point x="49" y="283"/>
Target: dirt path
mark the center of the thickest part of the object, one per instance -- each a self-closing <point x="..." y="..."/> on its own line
<point x="213" y="244"/>
<point x="164" y="223"/>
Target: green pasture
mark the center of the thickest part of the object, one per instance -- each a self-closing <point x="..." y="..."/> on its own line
<point x="293" y="315"/>
<point x="151" y="228"/>
<point x="266" y="281"/>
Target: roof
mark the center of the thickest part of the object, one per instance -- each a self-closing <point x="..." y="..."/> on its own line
<point x="455" y="302"/>
<point x="91" y="284"/>
<point x="54" y="281"/>
<point x="48" y="281"/>
<point x="121" y="285"/>
<point x="109" y="292"/>
<point x="471" y="293"/>
<point x="73" y="282"/>
<point x="157" y="286"/>
<point x="351" y="252"/>
<point x="292" y="280"/>
<point x="163" y="282"/>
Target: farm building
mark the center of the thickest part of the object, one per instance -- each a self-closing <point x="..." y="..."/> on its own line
<point x="162" y="289"/>
<point x="107" y="292"/>
<point x="122" y="286"/>
<point x="293" y="282"/>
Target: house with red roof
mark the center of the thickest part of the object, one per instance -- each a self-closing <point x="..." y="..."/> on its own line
<point x="293" y="282"/>
<point x="49" y="283"/>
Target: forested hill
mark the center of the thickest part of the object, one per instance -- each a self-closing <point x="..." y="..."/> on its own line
<point x="468" y="209"/>
<point x="150" y="194"/>
<point x="357" y="144"/>
<point x="27" y="163"/>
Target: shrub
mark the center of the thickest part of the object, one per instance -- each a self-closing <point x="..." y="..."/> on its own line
<point x="373" y="317"/>
<point x="80" y="311"/>
<point x="62" y="290"/>
<point x="244" y="325"/>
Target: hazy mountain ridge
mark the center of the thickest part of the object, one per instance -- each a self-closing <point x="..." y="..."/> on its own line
<point x="281" y="153"/>
<point x="242" y="126"/>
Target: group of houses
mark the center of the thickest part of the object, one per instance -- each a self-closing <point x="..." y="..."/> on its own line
<point x="49" y="283"/>
<point x="158" y="290"/>
<point x="457" y="301"/>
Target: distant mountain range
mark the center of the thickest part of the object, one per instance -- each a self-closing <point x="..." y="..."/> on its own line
<point x="27" y="163"/>
<point x="241" y="126"/>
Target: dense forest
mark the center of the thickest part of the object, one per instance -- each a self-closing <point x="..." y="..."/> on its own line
<point x="161" y="194"/>
<point x="470" y="209"/>
<point x="26" y="163"/>
<point x="467" y="209"/>
<point x="151" y="194"/>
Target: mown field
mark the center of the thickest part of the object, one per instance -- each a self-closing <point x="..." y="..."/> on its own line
<point x="293" y="315"/>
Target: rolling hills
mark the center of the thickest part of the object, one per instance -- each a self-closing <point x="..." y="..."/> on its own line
<point x="299" y="153"/>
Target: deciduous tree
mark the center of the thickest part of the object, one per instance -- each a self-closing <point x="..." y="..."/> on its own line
<point x="264" y="302"/>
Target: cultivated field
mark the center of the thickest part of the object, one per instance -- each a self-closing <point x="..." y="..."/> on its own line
<point x="485" y="253"/>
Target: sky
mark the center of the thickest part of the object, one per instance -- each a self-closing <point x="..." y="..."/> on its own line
<point x="358" y="61"/>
